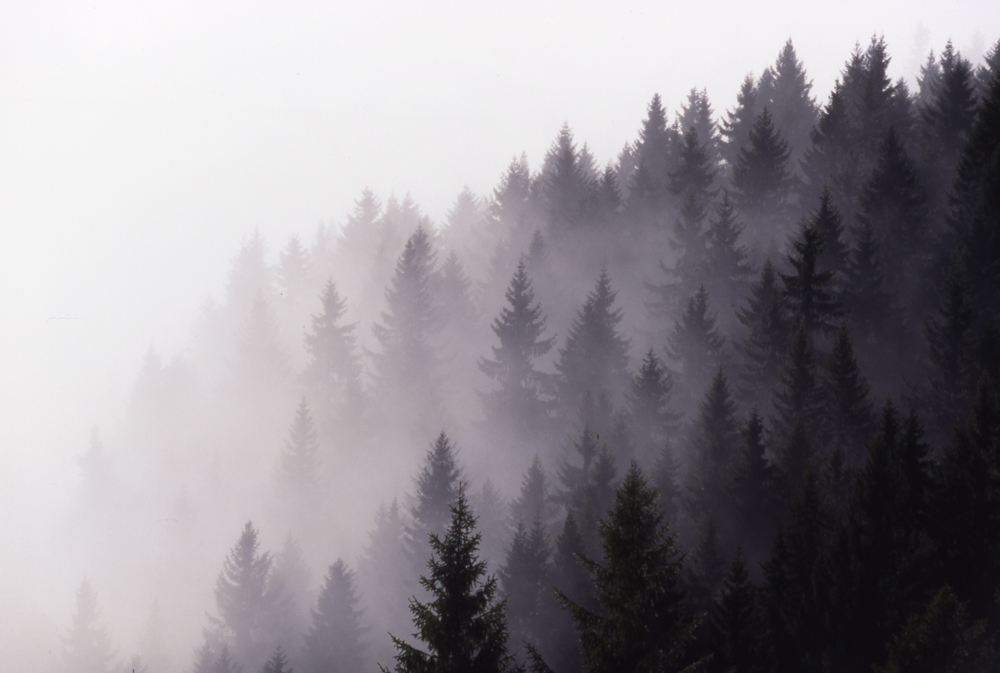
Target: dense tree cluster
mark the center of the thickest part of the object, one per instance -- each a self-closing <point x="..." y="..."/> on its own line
<point x="746" y="377"/>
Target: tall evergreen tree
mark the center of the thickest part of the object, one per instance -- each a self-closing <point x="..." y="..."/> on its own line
<point x="278" y="663"/>
<point x="637" y="625"/>
<point x="848" y="419"/>
<point x="789" y="99"/>
<point x="752" y="489"/>
<point x="463" y="626"/>
<point x="595" y="355"/>
<point x="809" y="290"/>
<point x="298" y="471"/>
<point x="726" y="268"/>
<point x="525" y="583"/>
<point x="735" y="622"/>
<point x="767" y="322"/>
<point x="695" y="344"/>
<point x="86" y="645"/>
<point x="654" y="160"/>
<point x="333" y="370"/>
<point x="437" y="487"/>
<point x="798" y="408"/>
<point x="565" y="183"/>
<point x="696" y="113"/>
<point x="522" y="400"/>
<point x="715" y="442"/>
<point x="651" y="419"/>
<point x="336" y="639"/>
<point x="761" y="180"/>
<point x="695" y="172"/>
<point x="735" y="128"/>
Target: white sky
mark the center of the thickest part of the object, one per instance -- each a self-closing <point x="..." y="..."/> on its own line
<point x="139" y="141"/>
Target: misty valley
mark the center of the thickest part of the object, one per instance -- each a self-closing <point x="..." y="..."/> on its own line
<point x="729" y="402"/>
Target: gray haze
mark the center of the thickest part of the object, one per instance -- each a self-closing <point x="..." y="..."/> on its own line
<point x="140" y="143"/>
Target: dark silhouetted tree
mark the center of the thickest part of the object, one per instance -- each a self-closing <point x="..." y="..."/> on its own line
<point x="809" y="291"/>
<point x="735" y="128"/>
<point x="798" y="405"/>
<point x="525" y="582"/>
<point x="761" y="180"/>
<point x="726" y="267"/>
<point x="715" y="441"/>
<point x="437" y="487"/>
<point x="847" y="410"/>
<point x="735" y="623"/>
<point x="766" y="319"/>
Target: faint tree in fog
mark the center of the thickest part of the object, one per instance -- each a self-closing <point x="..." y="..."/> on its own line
<point x="337" y="638"/>
<point x="665" y="474"/>
<point x="534" y="500"/>
<point x="212" y="660"/>
<point x="594" y="357"/>
<point x="333" y="370"/>
<point x="246" y="604"/>
<point x="463" y="626"/>
<point x="809" y="290"/>
<point x="786" y="93"/>
<point x="735" y="621"/>
<point x="766" y="320"/>
<point x="525" y="583"/>
<point x="406" y="375"/>
<point x="86" y="646"/>
<point x="491" y="513"/>
<point x="651" y="418"/>
<point x="291" y="578"/>
<point x="524" y="397"/>
<point x="384" y="574"/>
<point x="298" y="471"/>
<point x="697" y="113"/>
<point x="96" y="483"/>
<point x="735" y="128"/>
<point x="654" y="159"/>
<point x="261" y="363"/>
<point x="715" y="442"/>
<point x="437" y="487"/>
<point x="726" y="269"/>
<point x="293" y="272"/>
<point x="564" y="183"/>
<point x="637" y="625"/>
<point x="249" y="277"/>
<point x="696" y="345"/>
<point x="278" y="663"/>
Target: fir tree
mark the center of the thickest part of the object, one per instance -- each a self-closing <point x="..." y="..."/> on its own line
<point x="695" y="173"/>
<point x="384" y="575"/>
<point x="809" y="290"/>
<point x="437" y="487"/>
<point x="708" y="568"/>
<point x="651" y="419"/>
<point x="761" y="179"/>
<point x="247" y="606"/>
<point x="665" y="475"/>
<point x="533" y="502"/>
<point x="525" y="584"/>
<point x="697" y="114"/>
<point x="952" y="109"/>
<point x="735" y="128"/>
<point x="278" y="663"/>
<point x="298" y="473"/>
<point x="86" y="646"/>
<point x="789" y="99"/>
<point x="734" y="627"/>
<point x="752" y="488"/>
<point x="333" y="370"/>
<point x="654" y="160"/>
<point x="766" y="320"/>
<point x="291" y="578"/>
<point x="565" y="183"/>
<point x="726" y="267"/>
<point x="261" y="364"/>
<point x="521" y="400"/>
<point x="595" y="355"/>
<point x="336" y="639"/>
<point x="463" y="627"/>
<point x="798" y="407"/>
<point x="715" y="440"/>
<point x="696" y="344"/>
<point x="637" y="625"/>
<point x="848" y="420"/>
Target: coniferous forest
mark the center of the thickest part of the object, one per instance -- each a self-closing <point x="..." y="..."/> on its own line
<point x="728" y="402"/>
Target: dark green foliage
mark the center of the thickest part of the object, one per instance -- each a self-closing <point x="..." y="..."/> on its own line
<point x="86" y="646"/>
<point x="650" y="417"/>
<point x="463" y="626"/>
<point x="809" y="289"/>
<point x="735" y="623"/>
<point x="715" y="443"/>
<point x="437" y="487"/>
<point x="336" y="639"/>
<point x="594" y="357"/>
<point x="767" y="322"/>
<point x="524" y="396"/>
<point x="847" y="410"/>
<point x="937" y="640"/>
<point x="636" y="626"/>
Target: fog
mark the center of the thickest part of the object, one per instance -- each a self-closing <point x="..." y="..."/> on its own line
<point x="143" y="146"/>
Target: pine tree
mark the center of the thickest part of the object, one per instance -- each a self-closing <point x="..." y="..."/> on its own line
<point x="291" y="578"/>
<point x="384" y="576"/>
<point x="261" y="363"/>
<point x="333" y="369"/>
<point x="735" y="628"/>
<point x="697" y="114"/>
<point x="766" y="319"/>
<point x="708" y="568"/>
<point x="827" y="161"/>
<point x="637" y="625"/>
<point x="86" y="646"/>
<point x="521" y="402"/>
<point x="665" y="475"/>
<point x="525" y="584"/>
<point x="564" y="183"/>
<point x="437" y="487"/>
<point x="695" y="344"/>
<point x="278" y="663"/>
<point x="405" y="366"/>
<point x="789" y="100"/>
<point x="726" y="267"/>
<point x="651" y="419"/>
<point x="654" y="160"/>
<point x="336" y="639"/>
<point x="298" y="472"/>
<point x="928" y="81"/>
<point x="761" y="180"/>
<point x="595" y="355"/>
<point x="463" y="626"/>
<point x="246" y="604"/>
<point x="534" y="500"/>
<point x="492" y="509"/>
<point x="848" y="420"/>
<point x="715" y="442"/>
<point x="751" y="490"/>
<point x="695" y="172"/>
<point x="809" y="290"/>
<point x="952" y="109"/>
<point x="735" y="128"/>
<point x="798" y="407"/>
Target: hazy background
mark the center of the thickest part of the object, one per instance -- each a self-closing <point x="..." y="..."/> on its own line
<point x="140" y="141"/>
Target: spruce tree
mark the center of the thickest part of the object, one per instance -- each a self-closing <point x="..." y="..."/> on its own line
<point x="637" y="625"/>
<point x="715" y="443"/>
<point x="594" y="357"/>
<point x="463" y="626"/>
<point x="697" y="114"/>
<point x="437" y="487"/>
<point x="86" y="645"/>
<point x="665" y="475"/>
<point x="524" y="397"/>
<point x="848" y="419"/>
<point x="708" y="568"/>
<point x="278" y="663"/>
<point x="752" y="489"/>
<point x="651" y="419"/>
<point x="696" y="344"/>
<point x="564" y="184"/>
<point x="534" y="500"/>
<point x="735" y="128"/>
<point x="695" y="172"/>
<point x="735" y="626"/>
<point x="789" y="99"/>
<point x="654" y="160"/>
<point x="798" y="408"/>
<point x="337" y="638"/>
<point x="726" y="267"/>
<point x="767" y="322"/>
<point x="525" y="581"/>
<point x="298" y="471"/>
<point x="333" y="370"/>
<point x="809" y="290"/>
<point x="761" y="180"/>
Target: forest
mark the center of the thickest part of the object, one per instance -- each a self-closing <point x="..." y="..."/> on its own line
<point x="729" y="402"/>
